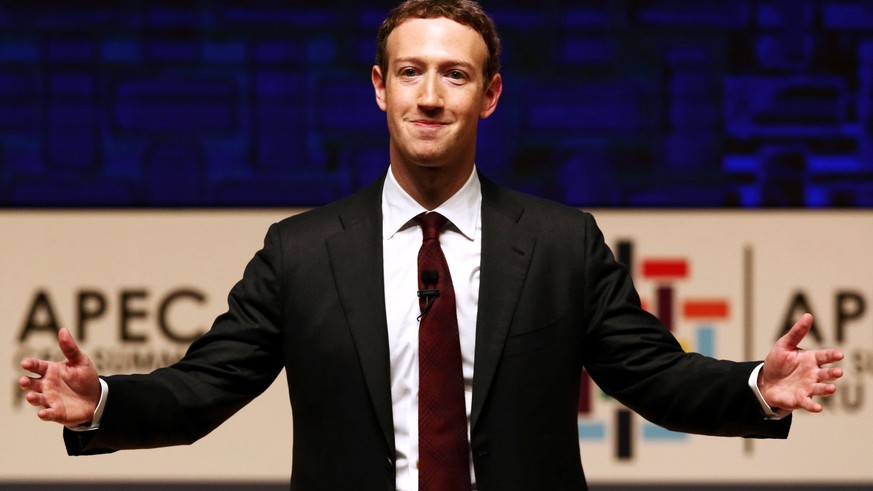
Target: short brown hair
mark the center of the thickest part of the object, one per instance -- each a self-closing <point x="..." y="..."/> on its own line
<point x="465" y="12"/>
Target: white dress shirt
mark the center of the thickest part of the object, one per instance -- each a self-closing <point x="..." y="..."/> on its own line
<point x="461" y="241"/>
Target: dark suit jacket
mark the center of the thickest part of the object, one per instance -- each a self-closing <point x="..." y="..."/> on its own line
<point x="552" y="300"/>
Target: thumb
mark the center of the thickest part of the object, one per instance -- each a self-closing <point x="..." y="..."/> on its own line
<point x="795" y="335"/>
<point x="69" y="347"/>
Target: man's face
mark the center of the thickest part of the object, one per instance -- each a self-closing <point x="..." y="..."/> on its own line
<point x="434" y="93"/>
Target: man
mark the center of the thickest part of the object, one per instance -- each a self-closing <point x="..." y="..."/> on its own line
<point x="332" y="298"/>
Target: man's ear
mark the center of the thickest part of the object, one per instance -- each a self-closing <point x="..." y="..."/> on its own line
<point x="378" y="86"/>
<point x="492" y="95"/>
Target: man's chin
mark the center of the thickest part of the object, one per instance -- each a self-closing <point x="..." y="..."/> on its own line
<point x="427" y="159"/>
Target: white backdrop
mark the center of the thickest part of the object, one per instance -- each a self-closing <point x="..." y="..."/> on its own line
<point x="130" y="281"/>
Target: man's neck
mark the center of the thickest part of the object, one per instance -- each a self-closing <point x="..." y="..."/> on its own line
<point x="431" y="186"/>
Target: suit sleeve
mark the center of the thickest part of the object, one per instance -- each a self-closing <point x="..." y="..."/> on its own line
<point x="635" y="359"/>
<point x="222" y="371"/>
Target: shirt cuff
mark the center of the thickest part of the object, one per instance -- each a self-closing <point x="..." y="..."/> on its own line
<point x="771" y="413"/>
<point x="98" y="412"/>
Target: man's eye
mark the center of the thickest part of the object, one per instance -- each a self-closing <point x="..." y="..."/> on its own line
<point x="456" y="75"/>
<point x="408" y="72"/>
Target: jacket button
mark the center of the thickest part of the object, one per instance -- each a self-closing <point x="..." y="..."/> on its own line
<point x="482" y="453"/>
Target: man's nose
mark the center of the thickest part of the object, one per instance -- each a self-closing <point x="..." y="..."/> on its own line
<point x="431" y="92"/>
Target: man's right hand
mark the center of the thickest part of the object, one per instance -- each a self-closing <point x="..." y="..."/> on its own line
<point x="68" y="391"/>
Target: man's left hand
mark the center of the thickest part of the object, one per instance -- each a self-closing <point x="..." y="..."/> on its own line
<point x="792" y="376"/>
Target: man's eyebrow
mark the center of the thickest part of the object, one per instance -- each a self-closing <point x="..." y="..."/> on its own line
<point x="449" y="63"/>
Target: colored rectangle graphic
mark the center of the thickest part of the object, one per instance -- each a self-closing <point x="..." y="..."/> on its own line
<point x="592" y="431"/>
<point x="624" y="441"/>
<point x="665" y="268"/>
<point x="705" y="309"/>
<point x="706" y="340"/>
<point x="653" y="432"/>
<point x="585" y="393"/>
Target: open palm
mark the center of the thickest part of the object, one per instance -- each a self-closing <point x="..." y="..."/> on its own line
<point x="792" y="376"/>
<point x="68" y="391"/>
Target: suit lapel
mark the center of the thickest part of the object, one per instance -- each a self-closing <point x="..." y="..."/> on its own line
<point x="507" y="248"/>
<point x="356" y="262"/>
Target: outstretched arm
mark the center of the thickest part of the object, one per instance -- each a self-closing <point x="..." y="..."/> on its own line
<point x="792" y="376"/>
<point x="68" y="391"/>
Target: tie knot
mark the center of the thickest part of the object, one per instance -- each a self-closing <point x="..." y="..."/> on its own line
<point x="431" y="224"/>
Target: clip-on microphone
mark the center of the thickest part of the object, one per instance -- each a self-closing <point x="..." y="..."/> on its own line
<point x="428" y="277"/>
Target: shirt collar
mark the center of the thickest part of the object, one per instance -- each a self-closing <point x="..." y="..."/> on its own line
<point x="462" y="209"/>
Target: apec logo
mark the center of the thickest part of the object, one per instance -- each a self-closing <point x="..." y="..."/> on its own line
<point x="701" y="319"/>
<point x="153" y="328"/>
<point x="706" y="315"/>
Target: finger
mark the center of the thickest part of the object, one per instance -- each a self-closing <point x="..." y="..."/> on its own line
<point x="823" y="390"/>
<point x="811" y="406"/>
<point x="825" y="356"/>
<point x="798" y="331"/>
<point x="829" y="374"/>
<point x="35" y="399"/>
<point x="47" y="414"/>
<point x="39" y="367"/>
<point x="68" y="346"/>
<point x="30" y="383"/>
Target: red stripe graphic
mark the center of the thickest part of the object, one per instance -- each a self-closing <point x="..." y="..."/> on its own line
<point x="705" y="309"/>
<point x="665" y="268"/>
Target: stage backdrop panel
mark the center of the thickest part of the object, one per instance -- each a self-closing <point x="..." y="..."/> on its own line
<point x="136" y="286"/>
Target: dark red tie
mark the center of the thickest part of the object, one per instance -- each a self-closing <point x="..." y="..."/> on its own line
<point x="443" y="450"/>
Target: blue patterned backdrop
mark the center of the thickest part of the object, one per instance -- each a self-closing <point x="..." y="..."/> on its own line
<point x="607" y="103"/>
